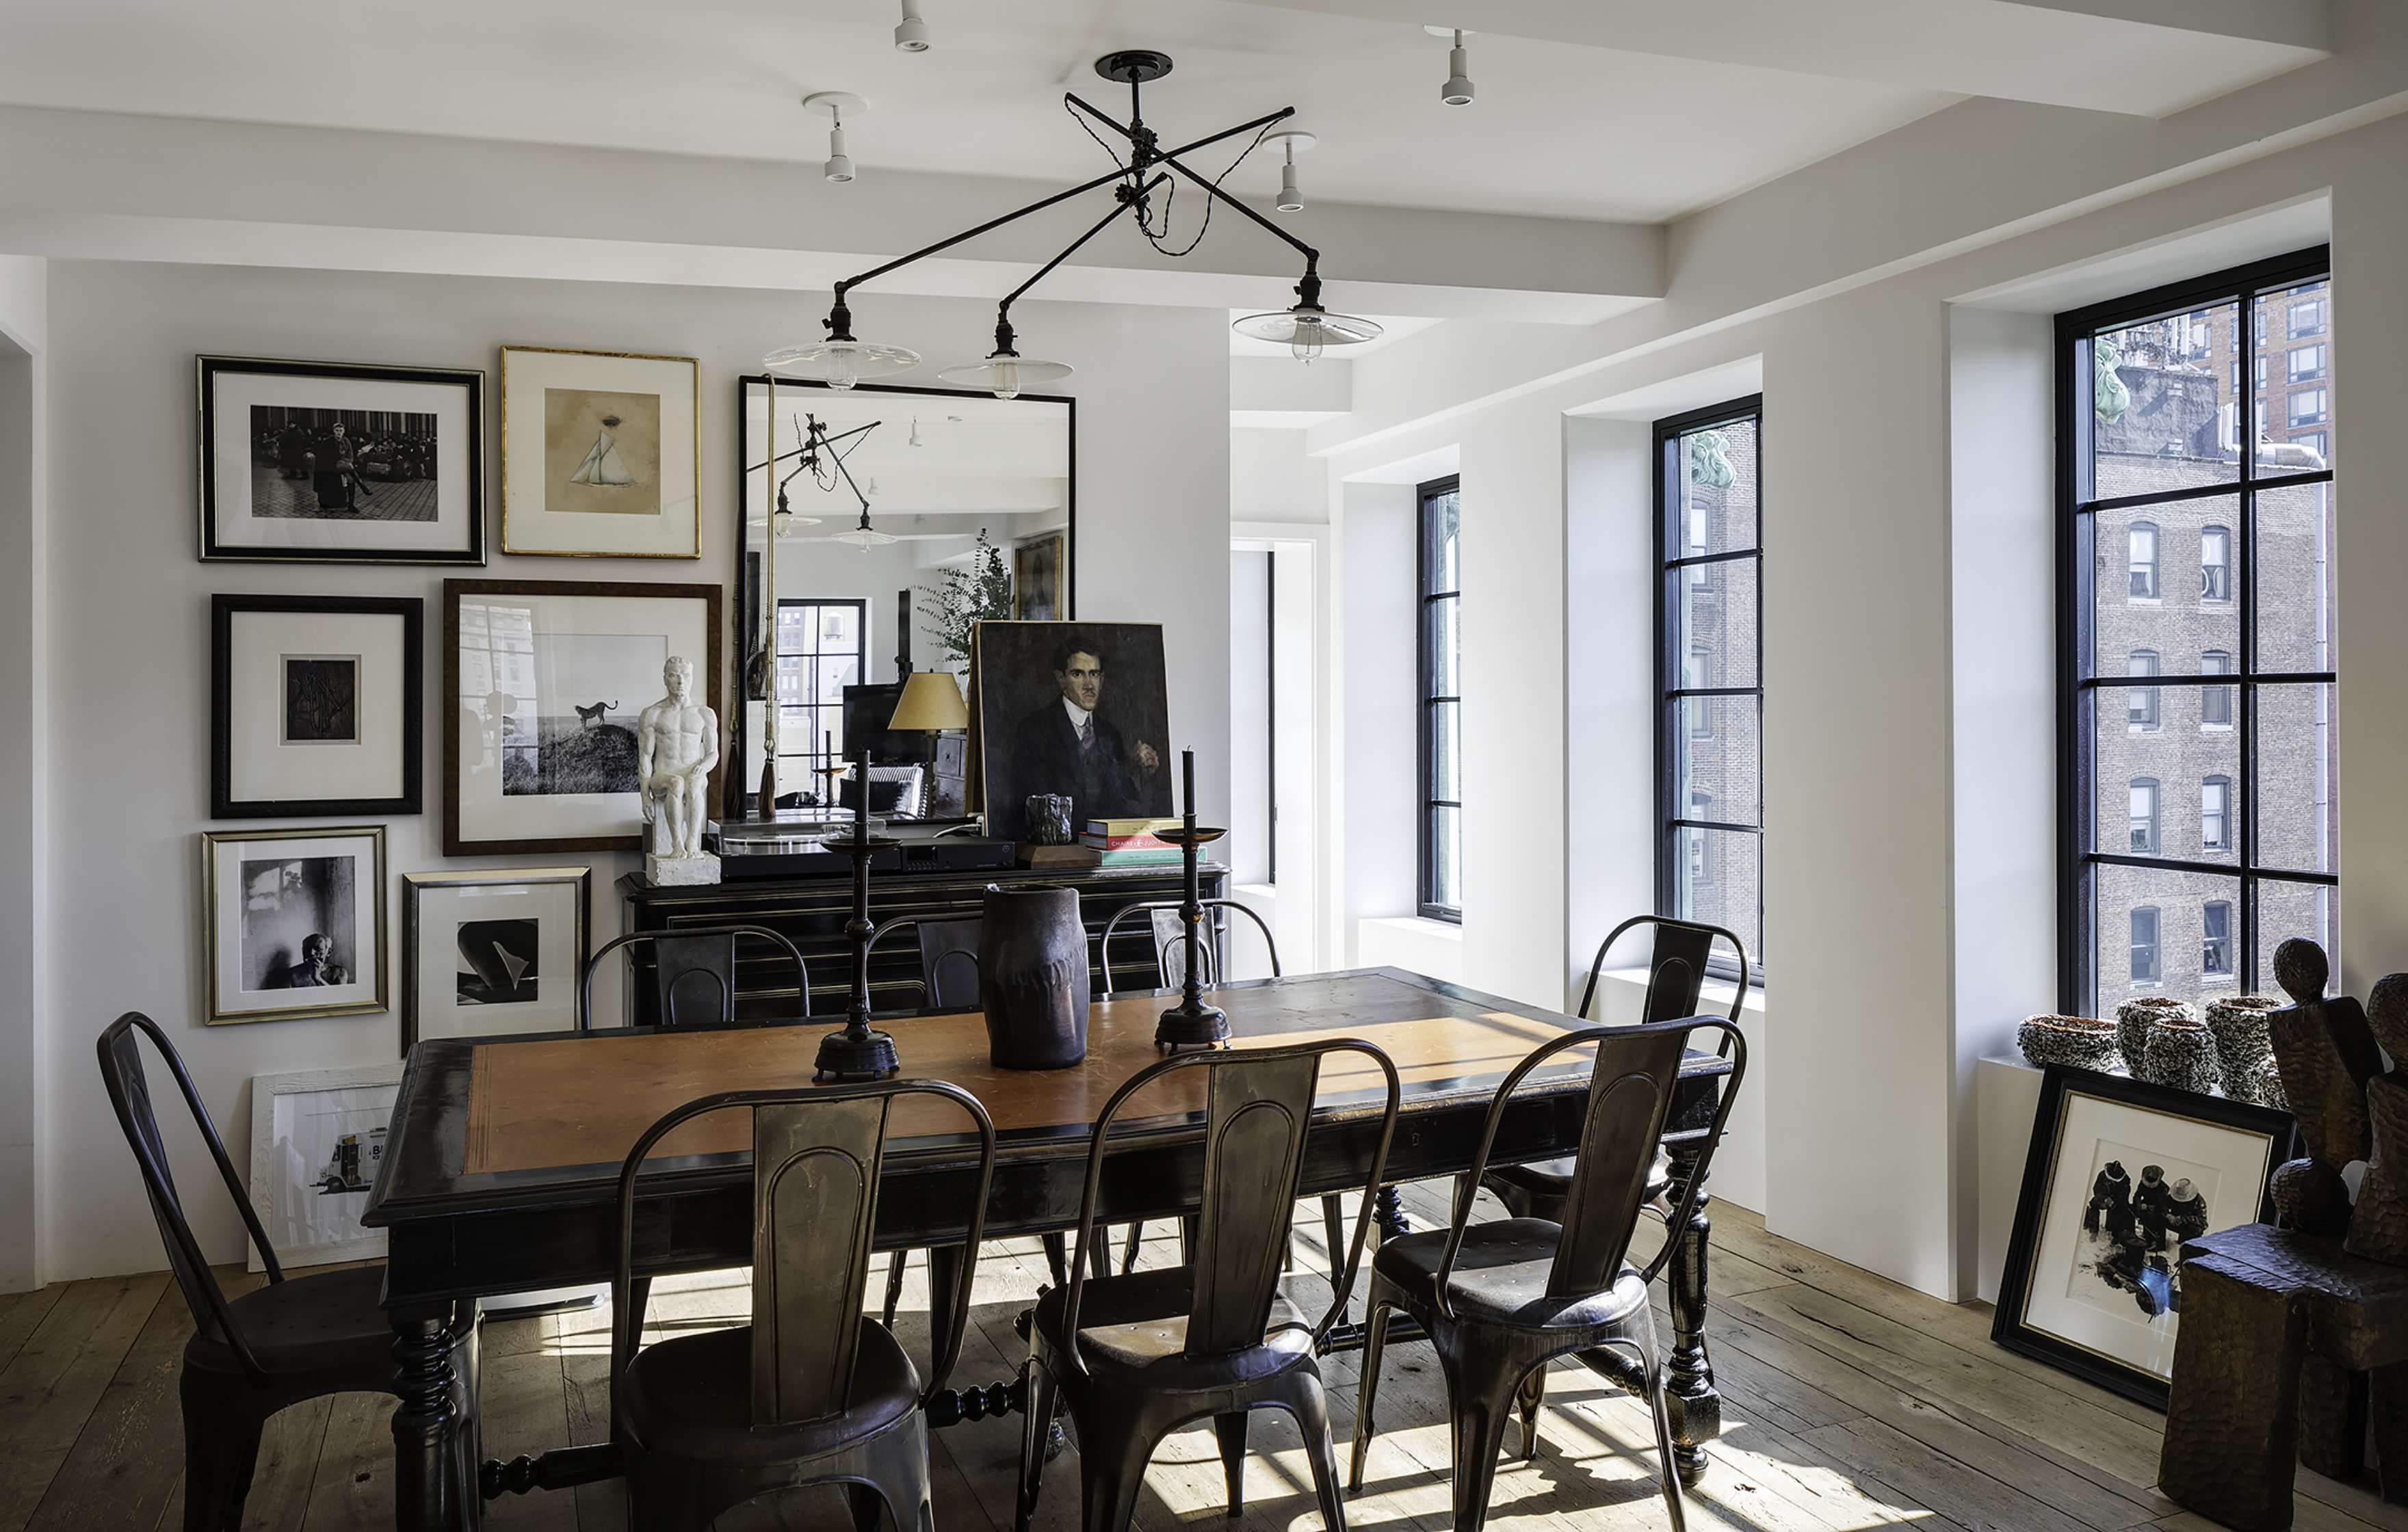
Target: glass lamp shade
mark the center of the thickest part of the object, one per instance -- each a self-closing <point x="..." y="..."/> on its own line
<point x="785" y="523"/>
<point x="1005" y="376"/>
<point x="931" y="699"/>
<point x="841" y="363"/>
<point x="864" y="537"/>
<point x="1306" y="330"/>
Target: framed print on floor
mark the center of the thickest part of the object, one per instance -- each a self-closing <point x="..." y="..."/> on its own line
<point x="317" y="1141"/>
<point x="543" y="682"/>
<point x="2119" y="1174"/>
<point x="317" y="705"/>
<point x="341" y="462"/>
<point x="294" y="920"/>
<point x="601" y="455"/>
<point x="489" y="953"/>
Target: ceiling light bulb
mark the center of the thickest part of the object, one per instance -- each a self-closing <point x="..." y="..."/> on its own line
<point x="1309" y="338"/>
<point x="912" y="32"/>
<point x="1306" y="330"/>
<point x="839" y="164"/>
<point x="1457" y="90"/>
<point x="1003" y="374"/>
<point x="1291" y="200"/>
<point x="1007" y="378"/>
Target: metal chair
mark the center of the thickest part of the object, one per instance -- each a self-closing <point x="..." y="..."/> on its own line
<point x="295" y="1338"/>
<point x="685" y="962"/>
<point x="813" y="1391"/>
<point x="1136" y="1355"/>
<point x="1500" y="1300"/>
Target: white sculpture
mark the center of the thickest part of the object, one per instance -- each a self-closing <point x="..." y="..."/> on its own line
<point x="677" y="745"/>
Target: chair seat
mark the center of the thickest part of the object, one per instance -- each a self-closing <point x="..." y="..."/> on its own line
<point x="1554" y="1177"/>
<point x="318" y="1324"/>
<point x="1500" y="1277"/>
<point x="1136" y="1326"/>
<point x="691" y="1397"/>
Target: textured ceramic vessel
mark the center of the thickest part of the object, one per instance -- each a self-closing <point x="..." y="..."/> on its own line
<point x="2133" y="1019"/>
<point x="2180" y="1053"/>
<point x="2237" y="1025"/>
<point x="2269" y="1085"/>
<point x="2082" y="1042"/>
<point x="1033" y="978"/>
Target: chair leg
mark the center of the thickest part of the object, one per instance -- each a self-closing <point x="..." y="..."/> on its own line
<point x="1099" y="1255"/>
<point x="1308" y="1400"/>
<point x="897" y="1463"/>
<point x="221" y="1429"/>
<point x="1129" y="1251"/>
<point x="868" y="1507"/>
<point x="894" y="1285"/>
<point x="1480" y="1392"/>
<point x="1037" y="1428"/>
<point x="1669" y="1466"/>
<point x="1375" y="1336"/>
<point x="1231" y="1430"/>
<point x="1527" y="1399"/>
<point x="1057" y="1258"/>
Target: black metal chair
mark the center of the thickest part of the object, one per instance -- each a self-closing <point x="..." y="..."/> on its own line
<point x="1500" y="1300"/>
<point x="1136" y="1355"/>
<point x="813" y="1391"/>
<point x="294" y="1338"/>
<point x="696" y="964"/>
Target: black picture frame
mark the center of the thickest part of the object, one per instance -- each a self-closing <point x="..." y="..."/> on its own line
<point x="2059" y="1083"/>
<point x="223" y="803"/>
<point x="414" y="888"/>
<point x="471" y="454"/>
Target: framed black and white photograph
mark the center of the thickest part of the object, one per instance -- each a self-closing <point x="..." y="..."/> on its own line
<point x="294" y="920"/>
<point x="490" y="954"/>
<point x="317" y="1141"/>
<point x="544" y="683"/>
<point x="2119" y="1174"/>
<point x="600" y="454"/>
<point x="1037" y="593"/>
<point x="317" y="705"/>
<point x="341" y="462"/>
<point x="1080" y="708"/>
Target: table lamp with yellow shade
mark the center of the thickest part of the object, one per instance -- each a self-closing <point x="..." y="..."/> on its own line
<point x="931" y="702"/>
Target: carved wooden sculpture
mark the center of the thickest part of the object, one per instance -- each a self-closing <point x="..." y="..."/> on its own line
<point x="2327" y="1054"/>
<point x="2378" y="1228"/>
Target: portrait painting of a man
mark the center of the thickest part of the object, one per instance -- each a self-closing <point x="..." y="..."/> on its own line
<point x="1072" y="708"/>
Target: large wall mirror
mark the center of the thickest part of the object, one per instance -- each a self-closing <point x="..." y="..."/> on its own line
<point x="969" y="511"/>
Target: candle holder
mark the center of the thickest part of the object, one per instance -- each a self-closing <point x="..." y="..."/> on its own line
<point x="857" y="1051"/>
<point x="1192" y="1023"/>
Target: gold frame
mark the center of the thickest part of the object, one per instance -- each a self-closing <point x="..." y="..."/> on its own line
<point x="211" y="841"/>
<point x="695" y="371"/>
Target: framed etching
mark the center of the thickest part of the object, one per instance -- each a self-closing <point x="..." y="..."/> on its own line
<point x="317" y="1141"/>
<point x="601" y="455"/>
<point x="293" y="922"/>
<point x="317" y="705"/>
<point x="543" y="682"/>
<point x="2119" y="1174"/>
<point x="490" y="954"/>
<point x="341" y="462"/>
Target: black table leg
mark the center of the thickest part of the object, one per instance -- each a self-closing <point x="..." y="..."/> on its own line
<point x="426" y="1426"/>
<point x="1695" y="1405"/>
<point x="1388" y="1214"/>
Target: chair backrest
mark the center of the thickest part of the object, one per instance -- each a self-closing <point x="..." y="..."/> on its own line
<point x="1258" y="1104"/>
<point x="129" y="1092"/>
<point x="948" y="958"/>
<point x="817" y="1152"/>
<point x="1677" y="971"/>
<point x="1169" y="939"/>
<point x="1629" y="1095"/>
<point x="692" y="968"/>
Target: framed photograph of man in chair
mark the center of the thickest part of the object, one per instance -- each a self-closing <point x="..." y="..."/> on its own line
<point x="292" y="922"/>
<point x="1080" y="708"/>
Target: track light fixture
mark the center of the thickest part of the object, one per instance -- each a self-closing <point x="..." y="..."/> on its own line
<point x="1294" y="142"/>
<point x="839" y="167"/>
<point x="1457" y="92"/>
<point x="911" y="34"/>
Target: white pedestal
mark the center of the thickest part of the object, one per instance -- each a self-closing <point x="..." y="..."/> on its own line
<point x="680" y="871"/>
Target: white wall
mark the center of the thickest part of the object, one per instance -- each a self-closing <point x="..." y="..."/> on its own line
<point x="1377" y="599"/>
<point x="1272" y="479"/>
<point x="25" y="832"/>
<point x="128" y="745"/>
<point x="1250" y="715"/>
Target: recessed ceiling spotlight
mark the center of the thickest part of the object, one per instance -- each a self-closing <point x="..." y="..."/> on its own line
<point x="839" y="167"/>
<point x="911" y="34"/>
<point x="1457" y="92"/>
<point x="1296" y="142"/>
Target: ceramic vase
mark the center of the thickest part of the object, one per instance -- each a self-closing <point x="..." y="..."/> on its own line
<point x="2237" y="1025"/>
<point x="2179" y="1053"/>
<point x="2083" y="1042"/>
<point x="1033" y="978"/>
<point x="2133" y="1019"/>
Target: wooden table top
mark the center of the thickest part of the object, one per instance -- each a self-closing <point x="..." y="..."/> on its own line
<point x="480" y="1120"/>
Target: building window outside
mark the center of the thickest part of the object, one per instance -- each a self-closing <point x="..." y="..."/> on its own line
<point x="2148" y="463"/>
<point x="1710" y="857"/>
<point x="1441" y="692"/>
<point x="819" y="654"/>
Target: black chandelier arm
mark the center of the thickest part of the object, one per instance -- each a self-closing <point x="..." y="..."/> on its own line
<point x="808" y="444"/>
<point x="1206" y="142"/>
<point x="993" y="223"/>
<point x="1170" y="158"/>
<point x="1126" y="204"/>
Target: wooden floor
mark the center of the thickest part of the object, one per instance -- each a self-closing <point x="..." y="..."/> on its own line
<point x="1849" y="1402"/>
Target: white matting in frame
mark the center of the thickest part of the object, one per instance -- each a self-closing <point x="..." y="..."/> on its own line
<point x="320" y="705"/>
<point x="492" y="953"/>
<point x="317" y="1141"/>
<point x="600" y="454"/>
<point x="293" y="922"/>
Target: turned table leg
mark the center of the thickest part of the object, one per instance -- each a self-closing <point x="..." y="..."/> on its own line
<point x="1695" y="1405"/>
<point x="427" y="1489"/>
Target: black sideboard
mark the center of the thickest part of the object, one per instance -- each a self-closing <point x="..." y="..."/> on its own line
<point x="811" y="912"/>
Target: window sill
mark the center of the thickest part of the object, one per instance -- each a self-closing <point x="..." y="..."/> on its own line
<point x="1417" y="925"/>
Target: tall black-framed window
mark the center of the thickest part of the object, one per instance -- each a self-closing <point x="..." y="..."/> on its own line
<point x="1442" y="700"/>
<point x="820" y="644"/>
<point x="2167" y="456"/>
<point x="1709" y="658"/>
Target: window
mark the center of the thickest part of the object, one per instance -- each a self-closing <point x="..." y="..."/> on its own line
<point x="2142" y="470"/>
<point x="1709" y="620"/>
<point x="2215" y="814"/>
<point x="1442" y="691"/>
<point x="2143" y="561"/>
<point x="2215" y="564"/>
<point x="2260" y="372"/>
<point x="819" y="655"/>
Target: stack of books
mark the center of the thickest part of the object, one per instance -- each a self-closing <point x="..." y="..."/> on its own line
<point x="1131" y="842"/>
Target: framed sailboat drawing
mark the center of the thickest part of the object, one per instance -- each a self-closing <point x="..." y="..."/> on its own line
<point x="600" y="454"/>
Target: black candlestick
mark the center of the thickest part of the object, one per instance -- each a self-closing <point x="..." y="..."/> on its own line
<point x="1192" y="1023"/>
<point x="857" y="1051"/>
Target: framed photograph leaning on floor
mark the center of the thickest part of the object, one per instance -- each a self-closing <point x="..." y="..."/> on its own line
<point x="317" y="1141"/>
<point x="293" y="922"/>
<point x="2119" y="1174"/>
<point x="601" y="455"/>
<point x="341" y="462"/>
<point x="317" y="705"/>
<point x="488" y="954"/>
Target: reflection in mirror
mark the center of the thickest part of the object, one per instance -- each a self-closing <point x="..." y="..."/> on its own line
<point x="902" y="516"/>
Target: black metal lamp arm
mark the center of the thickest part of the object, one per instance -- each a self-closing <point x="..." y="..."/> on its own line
<point x="1311" y="256"/>
<point x="1125" y="200"/>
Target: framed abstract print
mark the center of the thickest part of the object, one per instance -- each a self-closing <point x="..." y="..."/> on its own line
<point x="2119" y="1174"/>
<point x="601" y="455"/>
<point x="317" y="705"/>
<point x="341" y="462"/>
<point x="293" y="922"/>
<point x="544" y="684"/>
<point x="317" y="1141"/>
<point x="489" y="953"/>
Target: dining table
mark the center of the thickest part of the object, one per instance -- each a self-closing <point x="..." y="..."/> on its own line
<point x="501" y="1165"/>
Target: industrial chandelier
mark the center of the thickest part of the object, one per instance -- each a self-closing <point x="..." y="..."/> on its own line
<point x="841" y="359"/>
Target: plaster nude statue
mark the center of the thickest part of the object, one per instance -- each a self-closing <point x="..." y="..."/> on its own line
<point x="677" y="745"/>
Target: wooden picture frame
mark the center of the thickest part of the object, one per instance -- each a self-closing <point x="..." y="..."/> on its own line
<point x="601" y="455"/>
<point x="280" y="896"/>
<point x="2095" y="1291"/>
<point x="558" y="966"/>
<point x="383" y="737"/>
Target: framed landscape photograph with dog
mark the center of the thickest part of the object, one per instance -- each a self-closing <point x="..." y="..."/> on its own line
<point x="1077" y="709"/>
<point x="543" y="684"/>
